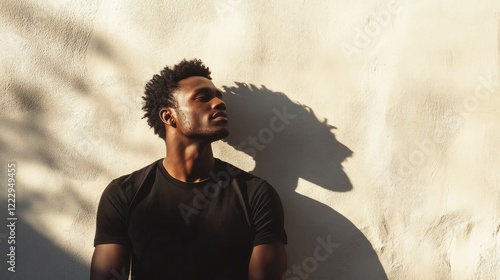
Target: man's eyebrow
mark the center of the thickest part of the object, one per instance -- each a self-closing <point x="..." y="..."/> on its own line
<point x="207" y="90"/>
<point x="202" y="90"/>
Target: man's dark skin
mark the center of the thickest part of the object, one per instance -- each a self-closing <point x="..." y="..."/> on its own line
<point x="198" y="120"/>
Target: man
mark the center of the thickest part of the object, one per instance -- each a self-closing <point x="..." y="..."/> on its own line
<point x="189" y="215"/>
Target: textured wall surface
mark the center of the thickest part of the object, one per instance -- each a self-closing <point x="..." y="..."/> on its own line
<point x="376" y="121"/>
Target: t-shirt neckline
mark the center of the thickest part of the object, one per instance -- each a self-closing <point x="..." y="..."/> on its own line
<point x="188" y="185"/>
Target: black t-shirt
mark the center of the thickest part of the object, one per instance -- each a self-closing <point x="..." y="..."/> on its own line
<point x="178" y="230"/>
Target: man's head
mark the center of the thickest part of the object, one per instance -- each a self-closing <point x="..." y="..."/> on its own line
<point x="184" y="98"/>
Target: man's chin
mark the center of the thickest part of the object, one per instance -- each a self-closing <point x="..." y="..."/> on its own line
<point x="222" y="134"/>
<point x="217" y="135"/>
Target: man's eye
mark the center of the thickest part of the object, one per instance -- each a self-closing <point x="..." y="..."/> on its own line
<point x="202" y="97"/>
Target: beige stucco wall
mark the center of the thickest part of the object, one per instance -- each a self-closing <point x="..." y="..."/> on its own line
<point x="406" y="186"/>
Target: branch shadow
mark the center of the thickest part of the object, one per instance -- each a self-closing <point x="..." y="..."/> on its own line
<point x="288" y="142"/>
<point x="39" y="258"/>
<point x="36" y="255"/>
<point x="34" y="132"/>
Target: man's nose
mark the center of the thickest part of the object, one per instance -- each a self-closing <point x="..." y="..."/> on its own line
<point x="218" y="104"/>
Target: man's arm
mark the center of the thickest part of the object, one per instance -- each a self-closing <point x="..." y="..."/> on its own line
<point x="109" y="258"/>
<point x="268" y="262"/>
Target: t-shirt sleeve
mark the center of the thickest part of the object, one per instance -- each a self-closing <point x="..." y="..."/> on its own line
<point x="111" y="224"/>
<point x="268" y="216"/>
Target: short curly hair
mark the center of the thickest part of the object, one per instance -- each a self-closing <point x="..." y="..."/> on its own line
<point x="158" y="92"/>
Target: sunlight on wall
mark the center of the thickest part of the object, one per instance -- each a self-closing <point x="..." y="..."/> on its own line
<point x="390" y="111"/>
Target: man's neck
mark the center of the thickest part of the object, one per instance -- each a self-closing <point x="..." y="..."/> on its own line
<point x="191" y="163"/>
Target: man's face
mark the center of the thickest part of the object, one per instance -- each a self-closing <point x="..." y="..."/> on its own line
<point x="200" y="110"/>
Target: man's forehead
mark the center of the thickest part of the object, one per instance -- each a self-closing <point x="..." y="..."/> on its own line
<point x="195" y="82"/>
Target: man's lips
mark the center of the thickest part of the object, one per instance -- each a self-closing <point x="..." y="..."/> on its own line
<point x="220" y="114"/>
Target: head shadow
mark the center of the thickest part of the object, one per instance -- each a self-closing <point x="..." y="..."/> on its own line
<point x="285" y="137"/>
<point x="289" y="142"/>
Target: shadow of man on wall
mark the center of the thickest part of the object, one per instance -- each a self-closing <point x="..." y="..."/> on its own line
<point x="287" y="142"/>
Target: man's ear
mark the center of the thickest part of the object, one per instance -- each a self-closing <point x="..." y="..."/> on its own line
<point x="167" y="116"/>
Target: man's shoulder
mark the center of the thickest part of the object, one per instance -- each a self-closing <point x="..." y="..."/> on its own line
<point x="137" y="175"/>
<point x="131" y="182"/>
